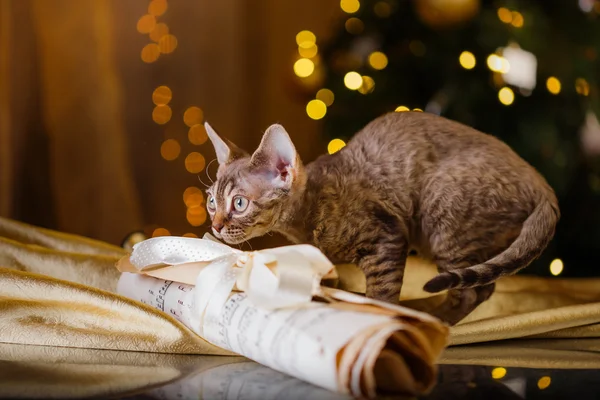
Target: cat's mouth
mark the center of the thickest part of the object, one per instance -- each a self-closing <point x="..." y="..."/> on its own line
<point x="231" y="236"/>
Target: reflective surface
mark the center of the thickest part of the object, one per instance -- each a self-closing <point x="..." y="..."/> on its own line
<point x="48" y="372"/>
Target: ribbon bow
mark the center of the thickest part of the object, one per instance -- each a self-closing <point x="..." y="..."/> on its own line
<point x="273" y="278"/>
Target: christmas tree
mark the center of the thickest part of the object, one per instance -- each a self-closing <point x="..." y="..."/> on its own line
<point x="525" y="71"/>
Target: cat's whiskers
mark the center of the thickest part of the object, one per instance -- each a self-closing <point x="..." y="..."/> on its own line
<point x="206" y="170"/>
<point x="202" y="182"/>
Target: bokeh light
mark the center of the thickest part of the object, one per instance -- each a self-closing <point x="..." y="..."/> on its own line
<point x="544" y="382"/>
<point x="556" y="267"/>
<point x="306" y="39"/>
<point x="553" y="85"/>
<point x="162" y="114"/>
<point x="582" y="86"/>
<point x="157" y="7"/>
<point x="146" y="23"/>
<point x="194" y="162"/>
<point x="417" y="48"/>
<point x="309" y="52"/>
<point x="161" y="29"/>
<point x="196" y="216"/>
<point x="382" y="9"/>
<point x="378" y="60"/>
<point x="304" y="67"/>
<point x="316" y="109"/>
<point x="353" y="80"/>
<point x="190" y="235"/>
<point x="354" y="26"/>
<point x="505" y="15"/>
<point x="326" y="96"/>
<point x="498" y="64"/>
<point x="192" y="197"/>
<point x="197" y="134"/>
<point x="467" y="60"/>
<point x="193" y="115"/>
<point x="170" y="149"/>
<point x="498" y="373"/>
<point x="506" y="96"/>
<point x="162" y="95"/>
<point x="335" y="145"/>
<point x="150" y="53"/>
<point x="402" y="109"/>
<point x="517" y="19"/>
<point x="350" y="6"/>
<point x="368" y="85"/>
<point x="417" y="110"/>
<point x="161" y="232"/>
<point x="167" y="44"/>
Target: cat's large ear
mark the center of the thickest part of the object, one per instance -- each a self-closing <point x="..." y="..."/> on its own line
<point x="225" y="150"/>
<point x="276" y="156"/>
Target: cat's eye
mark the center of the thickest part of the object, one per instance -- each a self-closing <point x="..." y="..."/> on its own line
<point x="240" y="203"/>
<point x="211" y="204"/>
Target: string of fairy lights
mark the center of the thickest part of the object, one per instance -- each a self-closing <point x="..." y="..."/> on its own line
<point x="162" y="43"/>
<point x="499" y="63"/>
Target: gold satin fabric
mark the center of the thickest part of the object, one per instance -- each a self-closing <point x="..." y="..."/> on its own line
<point x="58" y="289"/>
<point x="521" y="307"/>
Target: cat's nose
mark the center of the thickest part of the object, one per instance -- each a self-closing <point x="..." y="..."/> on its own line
<point x="218" y="226"/>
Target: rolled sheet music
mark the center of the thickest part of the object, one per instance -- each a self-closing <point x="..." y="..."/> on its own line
<point x="269" y="306"/>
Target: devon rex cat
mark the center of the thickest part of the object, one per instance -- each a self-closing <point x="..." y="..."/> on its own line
<point x="408" y="180"/>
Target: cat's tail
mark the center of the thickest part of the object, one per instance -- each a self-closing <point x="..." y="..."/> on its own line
<point x="536" y="233"/>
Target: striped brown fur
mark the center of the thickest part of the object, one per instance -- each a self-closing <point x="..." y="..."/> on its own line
<point x="408" y="180"/>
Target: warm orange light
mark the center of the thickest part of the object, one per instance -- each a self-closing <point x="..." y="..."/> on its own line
<point x="368" y="85"/>
<point x="316" y="109"/>
<point x="192" y="116"/>
<point x="190" y="196"/>
<point x="505" y="15"/>
<point x="161" y="29"/>
<point x="162" y="114"/>
<point x="354" y="26"/>
<point x="162" y="95"/>
<point x="157" y="7"/>
<point x="309" y="52"/>
<point x="553" y="85"/>
<point x="170" y="149"/>
<point x="150" y="53"/>
<point x="161" y="232"/>
<point x="335" y="145"/>
<point x="306" y="39"/>
<point x="196" y="216"/>
<point x="350" y="6"/>
<point x="146" y="23"/>
<point x="378" y="60"/>
<point x="382" y="9"/>
<point x="194" y="162"/>
<point x="190" y="235"/>
<point x="517" y="19"/>
<point x="197" y="134"/>
<point x="582" y="86"/>
<point x="167" y="44"/>
<point x="326" y="96"/>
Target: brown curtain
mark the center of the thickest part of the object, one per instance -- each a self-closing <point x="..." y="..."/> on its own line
<point x="79" y="151"/>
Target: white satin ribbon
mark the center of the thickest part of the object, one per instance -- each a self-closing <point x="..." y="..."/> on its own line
<point x="273" y="278"/>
